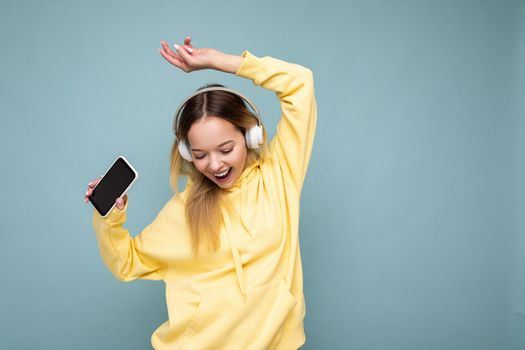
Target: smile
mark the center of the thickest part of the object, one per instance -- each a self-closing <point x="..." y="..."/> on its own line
<point x="223" y="176"/>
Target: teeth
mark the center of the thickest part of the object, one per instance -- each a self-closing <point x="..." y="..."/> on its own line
<point x="223" y="173"/>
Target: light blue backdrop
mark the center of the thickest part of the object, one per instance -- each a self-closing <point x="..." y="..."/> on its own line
<point x="412" y="230"/>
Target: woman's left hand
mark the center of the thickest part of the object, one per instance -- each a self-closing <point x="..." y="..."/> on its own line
<point x="188" y="58"/>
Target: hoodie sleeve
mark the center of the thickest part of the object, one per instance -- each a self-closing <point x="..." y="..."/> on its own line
<point x="127" y="258"/>
<point x="294" y="86"/>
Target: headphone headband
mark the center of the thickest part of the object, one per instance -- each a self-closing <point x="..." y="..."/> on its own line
<point x="212" y="88"/>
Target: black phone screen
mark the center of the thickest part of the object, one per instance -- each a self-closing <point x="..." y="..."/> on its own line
<point x="117" y="180"/>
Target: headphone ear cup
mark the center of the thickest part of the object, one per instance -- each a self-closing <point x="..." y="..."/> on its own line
<point x="260" y="135"/>
<point x="251" y="138"/>
<point x="254" y="137"/>
<point x="184" y="151"/>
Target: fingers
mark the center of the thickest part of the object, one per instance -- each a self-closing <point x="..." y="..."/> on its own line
<point x="167" y="53"/>
<point x="187" y="41"/>
<point x="178" y="58"/>
<point x="91" y="187"/>
<point x="168" y="50"/>
<point x="94" y="183"/>
<point x="189" y="49"/>
<point x="176" y="61"/>
<point x="187" y="45"/>
<point x="182" y="51"/>
<point x="119" y="203"/>
<point x="172" y="57"/>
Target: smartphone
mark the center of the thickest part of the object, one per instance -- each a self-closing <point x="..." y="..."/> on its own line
<point x="115" y="183"/>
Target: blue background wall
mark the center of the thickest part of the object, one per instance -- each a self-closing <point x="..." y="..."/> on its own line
<point x="412" y="212"/>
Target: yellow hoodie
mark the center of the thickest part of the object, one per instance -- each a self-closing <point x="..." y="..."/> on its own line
<point x="249" y="293"/>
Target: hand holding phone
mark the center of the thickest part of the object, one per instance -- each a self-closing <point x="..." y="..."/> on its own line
<point x="107" y="192"/>
<point x="120" y="203"/>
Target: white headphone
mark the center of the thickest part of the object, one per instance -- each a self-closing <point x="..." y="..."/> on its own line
<point x="253" y="135"/>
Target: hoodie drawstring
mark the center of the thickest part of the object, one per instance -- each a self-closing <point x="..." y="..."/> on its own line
<point x="244" y="204"/>
<point x="236" y="256"/>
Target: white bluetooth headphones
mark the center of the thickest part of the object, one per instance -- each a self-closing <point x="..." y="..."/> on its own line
<point x="253" y="135"/>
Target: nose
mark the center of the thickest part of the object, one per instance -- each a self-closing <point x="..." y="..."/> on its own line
<point x="216" y="163"/>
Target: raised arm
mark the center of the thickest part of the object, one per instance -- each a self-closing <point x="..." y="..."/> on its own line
<point x="294" y="86"/>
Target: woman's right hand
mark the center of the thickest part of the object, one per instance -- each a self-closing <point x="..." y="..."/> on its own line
<point x="120" y="202"/>
<point x="188" y="58"/>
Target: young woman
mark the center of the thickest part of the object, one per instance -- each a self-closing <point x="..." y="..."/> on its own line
<point x="227" y="247"/>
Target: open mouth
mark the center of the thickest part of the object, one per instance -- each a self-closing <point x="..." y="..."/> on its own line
<point x="223" y="176"/>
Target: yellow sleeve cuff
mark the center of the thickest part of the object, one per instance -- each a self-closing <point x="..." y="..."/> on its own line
<point x="115" y="216"/>
<point x="250" y="66"/>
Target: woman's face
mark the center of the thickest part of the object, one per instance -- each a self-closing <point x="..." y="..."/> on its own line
<point x="218" y="149"/>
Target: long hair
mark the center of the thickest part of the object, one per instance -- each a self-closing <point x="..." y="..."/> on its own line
<point x="203" y="200"/>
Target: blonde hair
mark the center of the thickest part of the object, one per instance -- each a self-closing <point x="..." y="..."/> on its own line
<point x="204" y="198"/>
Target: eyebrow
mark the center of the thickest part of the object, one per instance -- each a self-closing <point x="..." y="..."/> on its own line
<point x="222" y="144"/>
